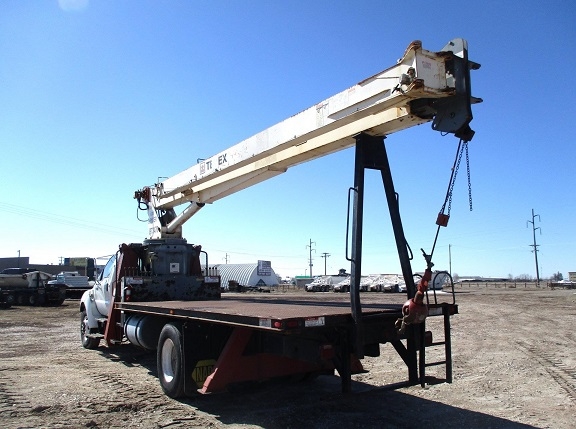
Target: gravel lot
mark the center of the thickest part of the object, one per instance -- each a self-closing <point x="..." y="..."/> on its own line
<point x="514" y="367"/>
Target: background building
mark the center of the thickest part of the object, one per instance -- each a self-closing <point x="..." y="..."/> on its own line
<point x="258" y="274"/>
<point x="81" y="265"/>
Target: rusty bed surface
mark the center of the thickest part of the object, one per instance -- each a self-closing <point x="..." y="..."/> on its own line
<point x="249" y="310"/>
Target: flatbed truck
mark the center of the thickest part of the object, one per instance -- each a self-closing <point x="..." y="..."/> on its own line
<point x="74" y="283"/>
<point x="161" y="295"/>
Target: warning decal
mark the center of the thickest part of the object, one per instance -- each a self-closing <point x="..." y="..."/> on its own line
<point x="202" y="370"/>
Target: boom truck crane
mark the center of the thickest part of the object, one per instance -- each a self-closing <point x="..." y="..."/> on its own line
<point x="161" y="294"/>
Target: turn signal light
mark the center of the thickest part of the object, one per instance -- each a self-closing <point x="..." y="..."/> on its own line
<point x="128" y="293"/>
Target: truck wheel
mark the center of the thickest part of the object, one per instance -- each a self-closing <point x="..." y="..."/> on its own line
<point x="87" y="343"/>
<point x="170" y="362"/>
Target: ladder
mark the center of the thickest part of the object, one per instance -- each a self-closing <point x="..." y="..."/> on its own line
<point x="444" y="309"/>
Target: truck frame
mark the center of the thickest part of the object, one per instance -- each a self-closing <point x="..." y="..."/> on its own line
<point x="160" y="296"/>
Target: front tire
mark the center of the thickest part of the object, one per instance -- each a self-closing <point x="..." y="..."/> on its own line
<point x="87" y="343"/>
<point x="170" y="361"/>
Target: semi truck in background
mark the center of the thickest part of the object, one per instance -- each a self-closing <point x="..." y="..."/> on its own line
<point x="22" y="286"/>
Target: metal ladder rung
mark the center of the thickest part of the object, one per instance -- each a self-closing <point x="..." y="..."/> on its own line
<point x="443" y="362"/>
<point x="446" y="343"/>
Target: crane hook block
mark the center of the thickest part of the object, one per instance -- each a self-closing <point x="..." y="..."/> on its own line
<point x="442" y="219"/>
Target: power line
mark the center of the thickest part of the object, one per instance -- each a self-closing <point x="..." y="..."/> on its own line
<point x="64" y="220"/>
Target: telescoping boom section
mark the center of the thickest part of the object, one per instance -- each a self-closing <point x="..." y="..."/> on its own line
<point x="423" y="86"/>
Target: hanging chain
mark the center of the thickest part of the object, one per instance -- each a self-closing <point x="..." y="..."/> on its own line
<point x="463" y="148"/>
<point x="444" y="216"/>
<point x="469" y="182"/>
<point x="451" y="189"/>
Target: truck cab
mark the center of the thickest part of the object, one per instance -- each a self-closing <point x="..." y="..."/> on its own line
<point x="95" y="303"/>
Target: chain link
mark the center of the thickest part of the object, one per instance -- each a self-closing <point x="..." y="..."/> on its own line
<point x="469" y="182"/>
<point x="463" y="149"/>
<point x="456" y="168"/>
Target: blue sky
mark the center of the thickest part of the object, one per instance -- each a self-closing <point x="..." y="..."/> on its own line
<point x="100" y="98"/>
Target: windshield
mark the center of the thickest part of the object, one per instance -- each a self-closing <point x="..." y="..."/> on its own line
<point x="108" y="268"/>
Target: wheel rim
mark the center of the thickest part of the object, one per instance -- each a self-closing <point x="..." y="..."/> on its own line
<point x="168" y="360"/>
<point x="84" y="327"/>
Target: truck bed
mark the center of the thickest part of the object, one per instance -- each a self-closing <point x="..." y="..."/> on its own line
<point x="270" y="312"/>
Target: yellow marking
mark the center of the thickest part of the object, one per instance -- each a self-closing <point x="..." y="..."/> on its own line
<point x="202" y="370"/>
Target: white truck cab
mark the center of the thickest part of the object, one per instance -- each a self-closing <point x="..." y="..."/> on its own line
<point x="95" y="303"/>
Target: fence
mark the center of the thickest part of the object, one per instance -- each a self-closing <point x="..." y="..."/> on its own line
<point x="512" y="284"/>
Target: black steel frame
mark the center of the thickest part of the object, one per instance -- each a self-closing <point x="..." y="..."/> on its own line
<point x="371" y="154"/>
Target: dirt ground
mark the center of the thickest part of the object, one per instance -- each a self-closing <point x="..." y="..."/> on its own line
<point x="514" y="367"/>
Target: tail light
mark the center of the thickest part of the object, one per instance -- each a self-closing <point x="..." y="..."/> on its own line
<point x="128" y="293"/>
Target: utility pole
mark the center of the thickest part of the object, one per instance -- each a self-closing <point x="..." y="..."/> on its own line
<point x="226" y="258"/>
<point x="18" y="258"/>
<point x="310" y="258"/>
<point x="535" y="246"/>
<point x="325" y="256"/>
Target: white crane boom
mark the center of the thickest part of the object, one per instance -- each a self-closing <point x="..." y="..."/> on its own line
<point x="421" y="87"/>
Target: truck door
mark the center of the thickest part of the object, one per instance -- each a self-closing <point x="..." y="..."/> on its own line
<point x="103" y="286"/>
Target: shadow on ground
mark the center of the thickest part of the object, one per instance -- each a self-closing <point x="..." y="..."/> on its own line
<point x="319" y="403"/>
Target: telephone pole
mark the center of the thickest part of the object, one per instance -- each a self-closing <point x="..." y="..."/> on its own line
<point x="535" y="246"/>
<point x="325" y="256"/>
<point x="309" y="246"/>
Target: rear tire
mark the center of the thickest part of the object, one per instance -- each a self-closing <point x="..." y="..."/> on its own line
<point x="170" y="361"/>
<point x="87" y="343"/>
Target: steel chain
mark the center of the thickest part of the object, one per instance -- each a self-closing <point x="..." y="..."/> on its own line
<point x="456" y="168"/>
<point x="469" y="182"/>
